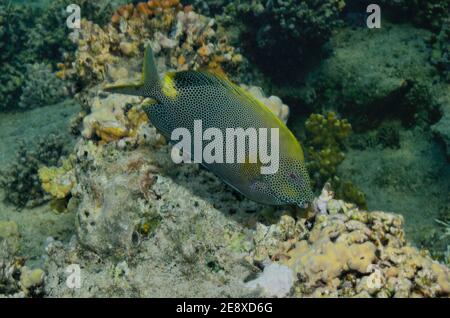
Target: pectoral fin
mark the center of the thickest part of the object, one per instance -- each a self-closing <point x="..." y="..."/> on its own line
<point x="127" y="89"/>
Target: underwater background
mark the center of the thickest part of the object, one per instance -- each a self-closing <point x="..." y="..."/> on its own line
<point x="86" y="179"/>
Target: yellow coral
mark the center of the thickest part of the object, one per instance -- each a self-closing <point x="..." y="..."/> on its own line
<point x="136" y="118"/>
<point x="110" y="119"/>
<point x="58" y="181"/>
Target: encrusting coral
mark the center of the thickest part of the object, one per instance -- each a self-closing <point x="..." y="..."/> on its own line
<point x="347" y="252"/>
<point x="58" y="181"/>
<point x="180" y="37"/>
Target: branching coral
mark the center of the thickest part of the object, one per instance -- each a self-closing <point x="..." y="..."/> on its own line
<point x="20" y="179"/>
<point x="14" y="26"/>
<point x="41" y="87"/>
<point x="429" y="14"/>
<point x="324" y="145"/>
<point x="35" y="34"/>
<point x="440" y="50"/>
<point x="326" y="136"/>
<point x="280" y="31"/>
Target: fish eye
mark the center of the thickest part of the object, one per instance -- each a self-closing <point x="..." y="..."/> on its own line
<point x="293" y="176"/>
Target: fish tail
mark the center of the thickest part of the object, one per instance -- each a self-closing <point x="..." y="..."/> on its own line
<point x="150" y="83"/>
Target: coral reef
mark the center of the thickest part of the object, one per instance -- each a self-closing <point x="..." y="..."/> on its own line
<point x="181" y="40"/>
<point x="143" y="226"/>
<point x="394" y="105"/>
<point x="430" y="14"/>
<point x="113" y="118"/>
<point x="16" y="280"/>
<point x="352" y="253"/>
<point x="440" y="50"/>
<point x="198" y="239"/>
<point x="35" y="35"/>
<point x="13" y="34"/>
<point x="398" y="180"/>
<point x="326" y="135"/>
<point x="280" y="31"/>
<point x="133" y="204"/>
<point x="58" y="181"/>
<point x="359" y="83"/>
<point x="20" y="179"/>
<point x="274" y="103"/>
<point x="41" y="87"/>
<point x="49" y="38"/>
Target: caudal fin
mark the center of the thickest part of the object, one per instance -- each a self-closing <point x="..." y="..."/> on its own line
<point x="149" y="83"/>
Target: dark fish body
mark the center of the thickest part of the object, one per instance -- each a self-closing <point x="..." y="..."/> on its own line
<point x="183" y="97"/>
